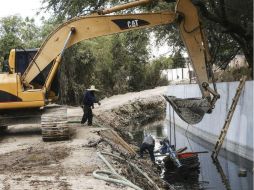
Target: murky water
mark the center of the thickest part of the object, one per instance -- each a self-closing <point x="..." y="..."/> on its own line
<point x="223" y="176"/>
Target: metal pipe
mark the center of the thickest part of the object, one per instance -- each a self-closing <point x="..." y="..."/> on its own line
<point x="57" y="62"/>
<point x="124" y="6"/>
<point x="121" y="179"/>
<point x="67" y="40"/>
<point x="137" y="168"/>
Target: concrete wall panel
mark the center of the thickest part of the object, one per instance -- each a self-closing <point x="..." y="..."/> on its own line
<point x="239" y="138"/>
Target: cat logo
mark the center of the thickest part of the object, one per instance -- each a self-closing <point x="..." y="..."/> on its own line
<point x="130" y="23"/>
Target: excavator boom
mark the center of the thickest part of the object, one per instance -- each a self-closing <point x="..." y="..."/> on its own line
<point x="90" y="27"/>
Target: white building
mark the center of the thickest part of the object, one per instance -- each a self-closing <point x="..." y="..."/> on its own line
<point x="180" y="75"/>
<point x="238" y="61"/>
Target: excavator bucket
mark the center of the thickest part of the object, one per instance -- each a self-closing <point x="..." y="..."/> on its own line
<point x="191" y="110"/>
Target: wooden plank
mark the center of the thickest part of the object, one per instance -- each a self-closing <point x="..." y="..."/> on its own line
<point x="114" y="139"/>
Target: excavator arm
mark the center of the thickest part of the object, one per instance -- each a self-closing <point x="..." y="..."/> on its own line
<point x="196" y="44"/>
<point x="87" y="28"/>
<point x="99" y="25"/>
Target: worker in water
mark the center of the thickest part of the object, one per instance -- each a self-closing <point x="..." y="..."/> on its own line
<point x="88" y="104"/>
<point x="165" y="145"/>
<point x="148" y="144"/>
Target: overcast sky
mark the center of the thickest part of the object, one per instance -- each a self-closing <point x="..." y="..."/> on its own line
<point x="23" y="8"/>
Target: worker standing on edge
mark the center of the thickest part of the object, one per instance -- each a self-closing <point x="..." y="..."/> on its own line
<point x="88" y="103"/>
<point x="148" y="144"/>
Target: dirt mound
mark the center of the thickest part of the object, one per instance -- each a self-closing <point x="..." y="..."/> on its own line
<point x="134" y="113"/>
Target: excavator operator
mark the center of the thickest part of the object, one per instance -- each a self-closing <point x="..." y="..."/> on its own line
<point x="5" y="67"/>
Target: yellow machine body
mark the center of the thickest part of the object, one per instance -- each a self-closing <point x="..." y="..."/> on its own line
<point x="12" y="57"/>
<point x="13" y="95"/>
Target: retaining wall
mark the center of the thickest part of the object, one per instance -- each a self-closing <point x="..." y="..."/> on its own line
<point x="239" y="137"/>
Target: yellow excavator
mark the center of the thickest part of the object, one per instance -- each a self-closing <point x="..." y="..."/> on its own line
<point x="29" y="88"/>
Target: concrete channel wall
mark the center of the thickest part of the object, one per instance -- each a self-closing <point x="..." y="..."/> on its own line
<point x="239" y="137"/>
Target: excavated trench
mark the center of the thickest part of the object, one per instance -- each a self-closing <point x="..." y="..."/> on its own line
<point x="133" y="114"/>
<point x="132" y="120"/>
<point x="141" y="116"/>
<point x="127" y="119"/>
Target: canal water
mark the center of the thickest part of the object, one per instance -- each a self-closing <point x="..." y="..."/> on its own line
<point x="221" y="176"/>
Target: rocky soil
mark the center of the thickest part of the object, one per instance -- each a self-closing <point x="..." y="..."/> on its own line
<point x="29" y="163"/>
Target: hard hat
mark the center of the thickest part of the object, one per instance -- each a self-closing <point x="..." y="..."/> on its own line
<point x="92" y="88"/>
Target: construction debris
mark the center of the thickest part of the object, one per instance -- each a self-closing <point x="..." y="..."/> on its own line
<point x="132" y="168"/>
<point x="117" y="142"/>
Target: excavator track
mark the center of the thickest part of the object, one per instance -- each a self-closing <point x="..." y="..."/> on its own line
<point x="54" y="124"/>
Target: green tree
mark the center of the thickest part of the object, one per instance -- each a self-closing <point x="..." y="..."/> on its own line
<point x="101" y="49"/>
<point x="120" y="60"/>
<point x="228" y="25"/>
<point x="30" y="33"/>
<point x="178" y="61"/>
<point x="231" y="25"/>
<point x="16" y="32"/>
<point x="166" y="62"/>
<point x="136" y="43"/>
<point x="153" y="74"/>
<point x="76" y="73"/>
<point x="49" y="26"/>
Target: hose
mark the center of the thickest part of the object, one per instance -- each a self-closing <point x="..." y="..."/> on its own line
<point x="136" y="167"/>
<point x="117" y="178"/>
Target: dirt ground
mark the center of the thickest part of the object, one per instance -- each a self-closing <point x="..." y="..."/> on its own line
<point x="29" y="163"/>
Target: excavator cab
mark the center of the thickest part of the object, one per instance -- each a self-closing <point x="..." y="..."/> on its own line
<point x="19" y="60"/>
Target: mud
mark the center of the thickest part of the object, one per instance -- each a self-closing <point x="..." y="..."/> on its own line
<point x="33" y="160"/>
<point x="29" y="163"/>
